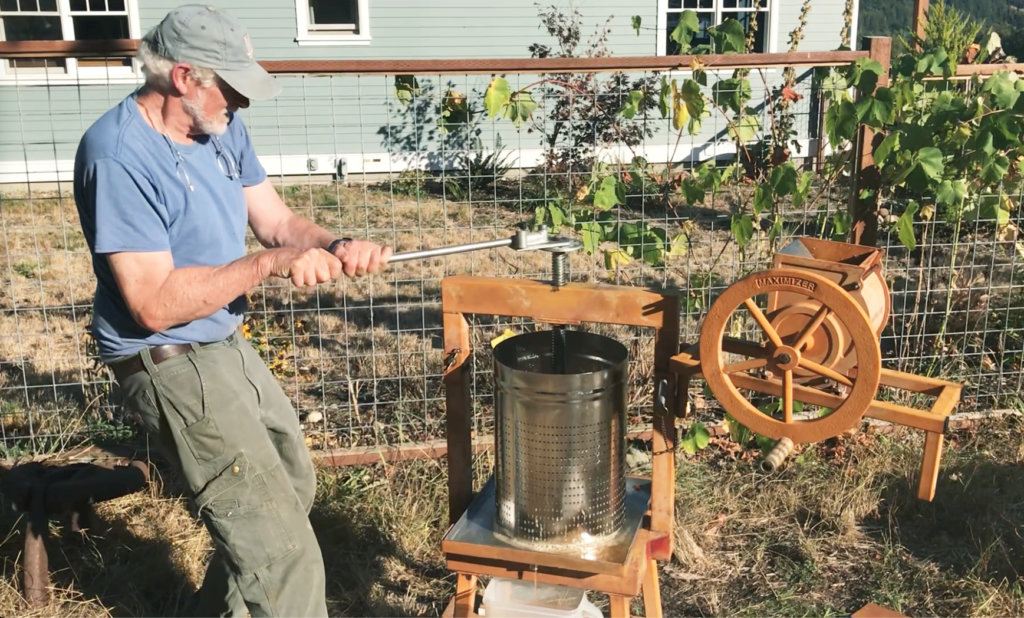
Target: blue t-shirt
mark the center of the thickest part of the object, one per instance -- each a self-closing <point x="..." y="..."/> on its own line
<point x="132" y="193"/>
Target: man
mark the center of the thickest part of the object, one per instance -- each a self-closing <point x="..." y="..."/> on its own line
<point x="165" y="183"/>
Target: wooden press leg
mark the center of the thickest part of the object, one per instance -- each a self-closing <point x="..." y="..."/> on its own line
<point x="652" y="591"/>
<point x="36" y="574"/>
<point x="663" y="442"/>
<point x="465" y="596"/>
<point x="619" y="606"/>
<point x="930" y="465"/>
<point x="459" y="415"/>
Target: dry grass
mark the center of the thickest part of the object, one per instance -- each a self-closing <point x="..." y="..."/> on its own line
<point x="836" y="529"/>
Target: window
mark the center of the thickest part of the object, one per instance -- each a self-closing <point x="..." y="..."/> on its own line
<point x="333" y="22"/>
<point x="67" y="20"/>
<point x="713" y="12"/>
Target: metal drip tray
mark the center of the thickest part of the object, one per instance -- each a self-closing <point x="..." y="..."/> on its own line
<point x="475" y="535"/>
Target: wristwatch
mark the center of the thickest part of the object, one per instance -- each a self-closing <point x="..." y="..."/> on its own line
<point x="340" y="241"/>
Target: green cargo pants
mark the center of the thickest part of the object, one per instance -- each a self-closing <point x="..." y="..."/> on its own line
<point x="221" y="417"/>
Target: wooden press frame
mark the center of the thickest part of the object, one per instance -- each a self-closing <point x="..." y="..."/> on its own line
<point x="573" y="303"/>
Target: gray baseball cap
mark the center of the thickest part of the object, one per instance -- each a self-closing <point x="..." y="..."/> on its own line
<point x="210" y="38"/>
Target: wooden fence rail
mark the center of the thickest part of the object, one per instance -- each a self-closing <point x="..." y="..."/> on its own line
<point x="128" y="47"/>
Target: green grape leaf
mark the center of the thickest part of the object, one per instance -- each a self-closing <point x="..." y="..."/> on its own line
<point x="841" y="122"/>
<point x="731" y="93"/>
<point x="680" y="245"/>
<point x="611" y="193"/>
<point x="803" y="188"/>
<point x="776" y="231"/>
<point x="930" y="161"/>
<point x="834" y="85"/>
<point x="700" y="435"/>
<point x="742" y="228"/>
<point x="877" y="110"/>
<point x="693" y="191"/>
<point x="730" y="37"/>
<point x="864" y="74"/>
<point x="783" y="179"/>
<point x="1001" y="90"/>
<point x="558" y="218"/>
<point x="496" y="97"/>
<point x="905" y="226"/>
<point x="888" y="145"/>
<point x="995" y="169"/>
<point x="951" y="193"/>
<point x="665" y="98"/>
<point x="762" y="199"/>
<point x="632" y="105"/>
<point x="520" y="108"/>
<point x="745" y="130"/>
<point x="591" y="233"/>
<point x="684" y="31"/>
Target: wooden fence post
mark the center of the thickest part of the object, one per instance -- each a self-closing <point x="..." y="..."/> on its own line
<point x="920" y="8"/>
<point x="866" y="177"/>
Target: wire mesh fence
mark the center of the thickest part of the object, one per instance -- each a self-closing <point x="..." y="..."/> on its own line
<point x="418" y="163"/>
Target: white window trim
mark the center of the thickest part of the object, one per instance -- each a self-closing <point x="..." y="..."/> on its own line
<point x="85" y="75"/>
<point x="774" y="6"/>
<point x="305" y="36"/>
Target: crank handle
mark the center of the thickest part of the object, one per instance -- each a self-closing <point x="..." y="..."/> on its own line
<point x="523" y="240"/>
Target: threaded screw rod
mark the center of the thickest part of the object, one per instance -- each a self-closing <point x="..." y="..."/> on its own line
<point x="559" y="277"/>
<point x="559" y="268"/>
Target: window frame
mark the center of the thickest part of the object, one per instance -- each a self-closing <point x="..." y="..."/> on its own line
<point x="327" y="37"/>
<point x="773" y="18"/>
<point x="74" y="73"/>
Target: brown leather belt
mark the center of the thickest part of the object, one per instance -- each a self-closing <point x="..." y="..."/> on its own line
<point x="133" y="364"/>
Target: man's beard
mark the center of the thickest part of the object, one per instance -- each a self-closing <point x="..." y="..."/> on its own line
<point x="200" y="121"/>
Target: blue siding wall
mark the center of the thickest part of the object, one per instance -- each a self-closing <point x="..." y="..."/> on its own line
<point x="325" y="117"/>
<point x="442" y="29"/>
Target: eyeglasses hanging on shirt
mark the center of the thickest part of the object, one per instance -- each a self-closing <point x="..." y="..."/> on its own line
<point x="224" y="162"/>
<point x="179" y="164"/>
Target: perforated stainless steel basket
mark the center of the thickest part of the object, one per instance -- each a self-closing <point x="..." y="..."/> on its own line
<point x="560" y="469"/>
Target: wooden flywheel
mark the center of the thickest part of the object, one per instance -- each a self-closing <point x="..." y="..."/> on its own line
<point x="748" y="352"/>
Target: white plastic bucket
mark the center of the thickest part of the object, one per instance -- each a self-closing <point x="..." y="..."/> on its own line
<point x="512" y="598"/>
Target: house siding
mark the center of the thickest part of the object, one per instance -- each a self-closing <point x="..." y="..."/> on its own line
<point x="324" y="118"/>
<point x="448" y="29"/>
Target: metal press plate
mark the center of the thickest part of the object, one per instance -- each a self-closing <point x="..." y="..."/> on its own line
<point x="474" y="535"/>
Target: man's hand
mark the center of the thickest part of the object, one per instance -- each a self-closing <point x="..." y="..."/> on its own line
<point x="361" y="257"/>
<point x="304" y="267"/>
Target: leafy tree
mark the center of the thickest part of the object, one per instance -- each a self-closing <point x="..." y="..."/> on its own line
<point x="580" y="110"/>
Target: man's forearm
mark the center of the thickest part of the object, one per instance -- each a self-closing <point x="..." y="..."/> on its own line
<point x="197" y="292"/>
<point x="301" y="233"/>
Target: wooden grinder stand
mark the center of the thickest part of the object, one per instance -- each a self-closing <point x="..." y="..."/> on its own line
<point x="818" y="344"/>
<point x="569" y="304"/>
